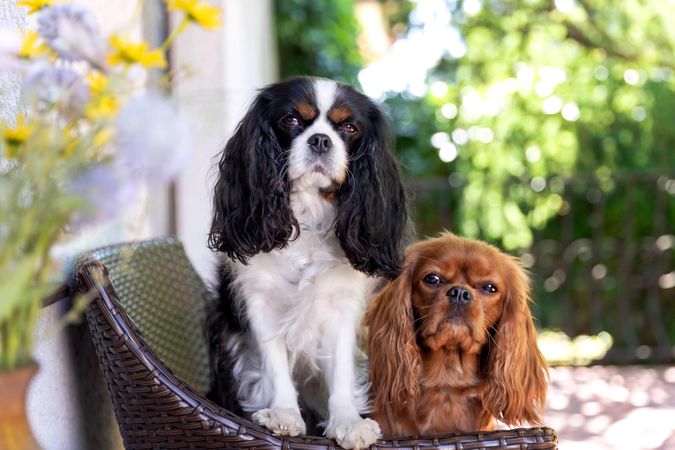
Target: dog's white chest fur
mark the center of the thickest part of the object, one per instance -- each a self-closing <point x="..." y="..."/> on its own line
<point x="304" y="288"/>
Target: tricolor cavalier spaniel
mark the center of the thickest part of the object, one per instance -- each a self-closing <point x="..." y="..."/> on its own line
<point x="451" y="343"/>
<point x="308" y="204"/>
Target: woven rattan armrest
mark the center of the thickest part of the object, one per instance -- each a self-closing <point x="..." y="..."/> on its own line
<point x="156" y="410"/>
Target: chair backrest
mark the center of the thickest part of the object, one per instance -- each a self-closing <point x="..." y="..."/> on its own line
<point x="166" y="299"/>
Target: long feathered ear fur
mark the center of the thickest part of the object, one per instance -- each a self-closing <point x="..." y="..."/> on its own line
<point x="251" y="203"/>
<point x="393" y="355"/>
<point x="517" y="372"/>
<point x="372" y="216"/>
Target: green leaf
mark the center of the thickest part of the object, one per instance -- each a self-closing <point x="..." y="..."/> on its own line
<point x="15" y="286"/>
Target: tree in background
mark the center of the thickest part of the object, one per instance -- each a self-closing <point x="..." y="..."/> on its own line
<point x="545" y="91"/>
<point x="318" y="37"/>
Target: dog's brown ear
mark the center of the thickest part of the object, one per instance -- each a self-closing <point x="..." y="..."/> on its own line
<point x="393" y="354"/>
<point x="517" y="372"/>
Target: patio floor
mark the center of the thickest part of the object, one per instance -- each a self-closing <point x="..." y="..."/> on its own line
<point x="613" y="408"/>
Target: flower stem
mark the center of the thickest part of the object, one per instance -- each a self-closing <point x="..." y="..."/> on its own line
<point x="174" y="34"/>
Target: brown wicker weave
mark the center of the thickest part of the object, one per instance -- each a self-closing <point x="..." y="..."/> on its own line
<point x="146" y="324"/>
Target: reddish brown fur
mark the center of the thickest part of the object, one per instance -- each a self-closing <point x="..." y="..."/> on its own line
<point x="430" y="371"/>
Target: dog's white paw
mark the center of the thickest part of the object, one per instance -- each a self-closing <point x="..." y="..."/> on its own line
<point x="283" y="421"/>
<point x="358" y="434"/>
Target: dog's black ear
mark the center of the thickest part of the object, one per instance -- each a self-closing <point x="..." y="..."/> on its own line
<point x="372" y="215"/>
<point x="251" y="203"/>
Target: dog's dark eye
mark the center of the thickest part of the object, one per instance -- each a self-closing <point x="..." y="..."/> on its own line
<point x="489" y="288"/>
<point x="348" y="128"/>
<point x="432" y="279"/>
<point x="291" y="120"/>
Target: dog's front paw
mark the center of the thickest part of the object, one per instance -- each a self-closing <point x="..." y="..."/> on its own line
<point x="358" y="434"/>
<point x="283" y="421"/>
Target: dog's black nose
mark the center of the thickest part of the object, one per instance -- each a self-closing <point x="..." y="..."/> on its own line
<point x="459" y="295"/>
<point x="319" y="143"/>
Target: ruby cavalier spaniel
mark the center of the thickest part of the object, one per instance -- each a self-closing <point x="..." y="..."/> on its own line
<point x="451" y="342"/>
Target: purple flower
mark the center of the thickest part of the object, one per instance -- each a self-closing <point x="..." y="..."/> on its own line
<point x="105" y="192"/>
<point x="56" y="86"/>
<point x="71" y="31"/>
<point x="153" y="138"/>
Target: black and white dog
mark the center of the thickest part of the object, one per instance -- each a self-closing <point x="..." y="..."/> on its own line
<point x="308" y="204"/>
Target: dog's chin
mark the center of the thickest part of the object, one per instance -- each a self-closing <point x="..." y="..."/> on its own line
<point x="453" y="332"/>
<point x="457" y="325"/>
<point x="316" y="177"/>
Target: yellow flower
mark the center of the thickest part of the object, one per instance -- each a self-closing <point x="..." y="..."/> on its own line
<point x="31" y="46"/>
<point x="102" y="137"/>
<point x="102" y="107"/>
<point x="197" y="11"/>
<point x="103" y="104"/>
<point x="127" y="52"/>
<point x="97" y="82"/>
<point x="34" y="5"/>
<point x="20" y="133"/>
<point x="17" y="135"/>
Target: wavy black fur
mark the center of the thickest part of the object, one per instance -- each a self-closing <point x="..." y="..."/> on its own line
<point x="372" y="215"/>
<point x="223" y="323"/>
<point x="252" y="211"/>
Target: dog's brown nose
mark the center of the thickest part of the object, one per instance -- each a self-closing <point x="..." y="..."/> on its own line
<point x="459" y="295"/>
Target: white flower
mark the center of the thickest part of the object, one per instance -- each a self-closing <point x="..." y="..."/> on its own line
<point x="59" y="87"/>
<point x="72" y="31"/>
<point x="153" y="138"/>
<point x="10" y="45"/>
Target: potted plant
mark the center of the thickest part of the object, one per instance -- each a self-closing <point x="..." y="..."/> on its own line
<point x="91" y="136"/>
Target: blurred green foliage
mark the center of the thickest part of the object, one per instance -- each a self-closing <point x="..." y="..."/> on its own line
<point x="396" y="14"/>
<point x="319" y="38"/>
<point x="540" y="96"/>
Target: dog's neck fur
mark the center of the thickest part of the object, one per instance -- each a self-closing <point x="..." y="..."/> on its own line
<point x="453" y="369"/>
<point x="450" y="379"/>
<point x="314" y="210"/>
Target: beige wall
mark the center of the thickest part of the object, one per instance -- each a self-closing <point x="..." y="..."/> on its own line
<point x="229" y="67"/>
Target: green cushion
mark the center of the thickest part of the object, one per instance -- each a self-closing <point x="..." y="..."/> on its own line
<point x="164" y="296"/>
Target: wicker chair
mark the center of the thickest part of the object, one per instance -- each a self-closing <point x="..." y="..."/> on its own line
<point x="146" y="322"/>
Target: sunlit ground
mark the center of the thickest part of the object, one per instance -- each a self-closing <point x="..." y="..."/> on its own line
<point x="607" y="407"/>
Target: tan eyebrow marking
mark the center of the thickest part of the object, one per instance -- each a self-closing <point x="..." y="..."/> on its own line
<point x="339" y="114"/>
<point x="306" y="111"/>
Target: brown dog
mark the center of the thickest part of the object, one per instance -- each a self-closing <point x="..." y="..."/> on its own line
<point x="451" y="342"/>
